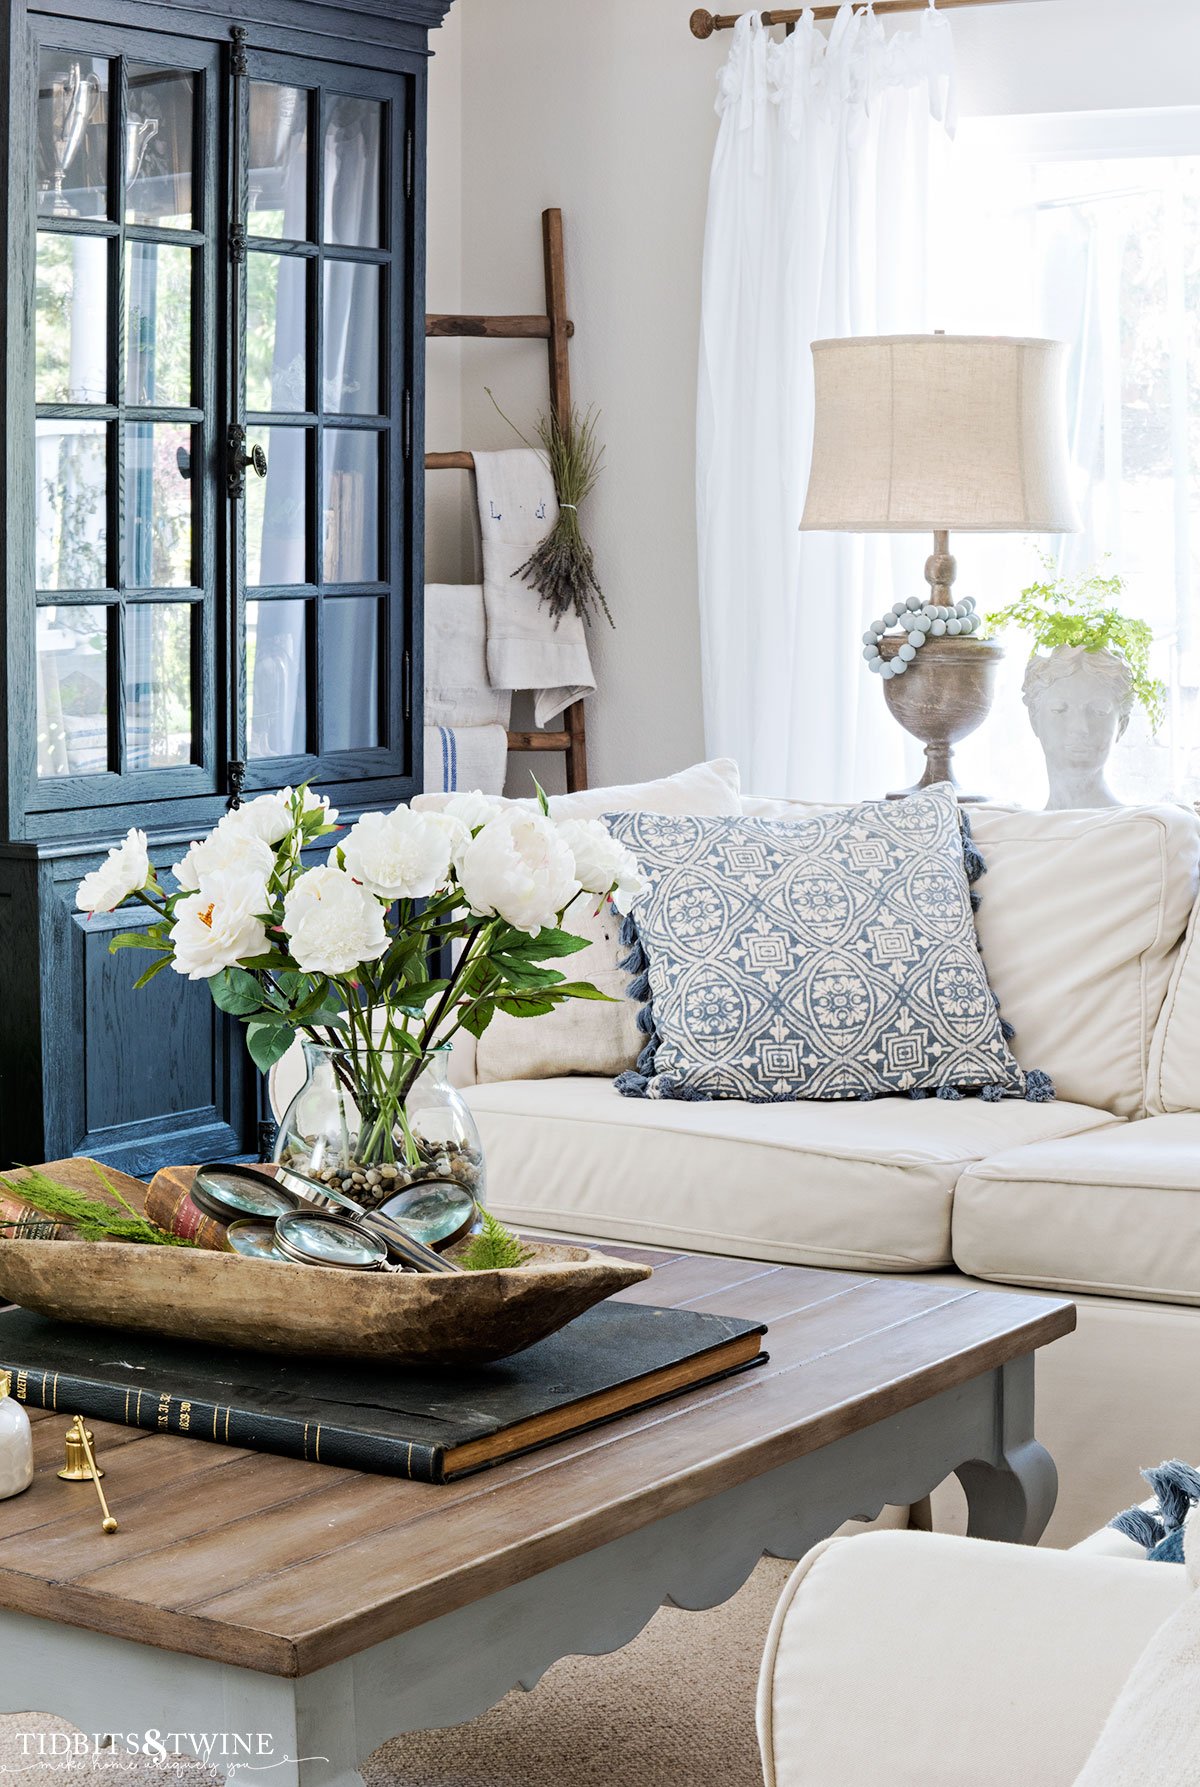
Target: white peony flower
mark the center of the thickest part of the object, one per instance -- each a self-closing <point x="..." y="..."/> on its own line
<point x="403" y="855"/>
<point x="602" y="864"/>
<point x="519" y="868"/>
<point x="333" y="923"/>
<point x="473" y="808"/>
<point x="220" y="925"/>
<point x="227" y="851"/>
<point x="124" y="871"/>
<point x="269" y="816"/>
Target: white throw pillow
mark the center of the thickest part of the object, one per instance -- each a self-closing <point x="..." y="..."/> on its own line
<point x="585" y="1036"/>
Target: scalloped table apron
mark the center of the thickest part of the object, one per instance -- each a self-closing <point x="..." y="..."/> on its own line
<point x="294" y="1617"/>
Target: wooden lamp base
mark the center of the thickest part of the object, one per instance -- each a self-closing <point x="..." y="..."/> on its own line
<point x="944" y="695"/>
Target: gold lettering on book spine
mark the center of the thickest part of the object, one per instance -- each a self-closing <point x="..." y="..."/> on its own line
<point x="185" y="1415"/>
<point x="22" y="1386"/>
<point x="164" y="1412"/>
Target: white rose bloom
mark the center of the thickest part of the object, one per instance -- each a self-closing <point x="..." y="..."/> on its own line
<point x="402" y="855"/>
<point x="219" y="926"/>
<point x="520" y="869"/>
<point x="333" y="923"/>
<point x="124" y="870"/>
<point x="269" y="816"/>
<point x="227" y="852"/>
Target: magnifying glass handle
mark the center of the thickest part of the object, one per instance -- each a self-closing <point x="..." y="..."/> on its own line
<point x="406" y="1247"/>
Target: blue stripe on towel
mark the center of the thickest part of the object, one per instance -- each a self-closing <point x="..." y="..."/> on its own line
<point x="449" y="760"/>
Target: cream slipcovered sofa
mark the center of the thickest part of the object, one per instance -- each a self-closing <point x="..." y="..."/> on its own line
<point x="1088" y="930"/>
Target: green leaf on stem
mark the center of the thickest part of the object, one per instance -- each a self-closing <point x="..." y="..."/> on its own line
<point x="267" y="1042"/>
<point x="152" y="970"/>
<point x="476" y="1018"/>
<point x="235" y="991"/>
<point x="523" y="1005"/>
<point x="152" y="938"/>
<point x="583" y="989"/>
<point x="542" y="801"/>
<point x="550" y="942"/>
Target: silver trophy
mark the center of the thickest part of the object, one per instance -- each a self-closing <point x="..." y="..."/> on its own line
<point x="72" y="102"/>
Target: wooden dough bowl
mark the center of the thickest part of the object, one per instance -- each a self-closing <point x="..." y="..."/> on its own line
<point x="267" y="1306"/>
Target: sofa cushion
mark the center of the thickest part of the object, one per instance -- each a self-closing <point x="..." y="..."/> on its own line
<point x="1175" y="1049"/>
<point x="1116" y="1211"/>
<point x="585" y="1036"/>
<point x="1080" y="917"/>
<point x="831" y="957"/>
<point x="857" y="1185"/>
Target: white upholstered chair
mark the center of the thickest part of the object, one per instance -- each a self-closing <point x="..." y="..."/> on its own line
<point x="908" y="1659"/>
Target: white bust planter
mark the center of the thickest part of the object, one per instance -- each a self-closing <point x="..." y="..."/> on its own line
<point x="1079" y="703"/>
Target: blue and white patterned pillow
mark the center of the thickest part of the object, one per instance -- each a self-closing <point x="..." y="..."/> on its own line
<point x="830" y="957"/>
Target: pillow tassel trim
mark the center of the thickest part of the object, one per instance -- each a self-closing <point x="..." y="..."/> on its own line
<point x="642" y="1082"/>
<point x="1159" y="1530"/>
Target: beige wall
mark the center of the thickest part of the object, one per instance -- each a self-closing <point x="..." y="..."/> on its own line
<point x="607" y="110"/>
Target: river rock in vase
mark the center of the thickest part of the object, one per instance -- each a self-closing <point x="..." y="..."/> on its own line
<point x="324" y="1134"/>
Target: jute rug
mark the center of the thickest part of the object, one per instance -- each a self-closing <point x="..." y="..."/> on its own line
<point x="675" y="1708"/>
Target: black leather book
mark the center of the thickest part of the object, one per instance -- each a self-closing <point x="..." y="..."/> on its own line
<point x="433" y="1424"/>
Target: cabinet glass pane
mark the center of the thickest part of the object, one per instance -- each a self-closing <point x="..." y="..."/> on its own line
<point x="72" y="135"/>
<point x="72" y="691"/>
<point x="350" y="506"/>
<point x="278" y="173"/>
<point x="158" y="505"/>
<point x="159" y="137"/>
<point x="72" y="505"/>
<point x="351" y="343"/>
<point x="353" y="148"/>
<point x="71" y="339"/>
<point x="276" y="508"/>
<point x="158" y="684"/>
<point x="276" y="332"/>
<point x="350" y="672"/>
<point x="276" y="673"/>
<point x="158" y="324"/>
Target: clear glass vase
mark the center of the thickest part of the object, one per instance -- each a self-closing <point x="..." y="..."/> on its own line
<point x="323" y="1133"/>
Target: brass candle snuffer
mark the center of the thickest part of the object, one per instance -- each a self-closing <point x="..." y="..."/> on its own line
<point x="81" y="1467"/>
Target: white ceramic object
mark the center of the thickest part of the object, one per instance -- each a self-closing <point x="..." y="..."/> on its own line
<point x="16" y="1443"/>
<point x="1079" y="703"/>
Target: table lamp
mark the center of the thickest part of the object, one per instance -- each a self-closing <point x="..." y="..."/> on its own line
<point x="925" y="434"/>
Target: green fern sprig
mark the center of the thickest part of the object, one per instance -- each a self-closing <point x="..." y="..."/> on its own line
<point x="494" y="1248"/>
<point x="92" y="1218"/>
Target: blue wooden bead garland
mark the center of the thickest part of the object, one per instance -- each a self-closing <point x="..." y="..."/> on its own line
<point x="917" y="621"/>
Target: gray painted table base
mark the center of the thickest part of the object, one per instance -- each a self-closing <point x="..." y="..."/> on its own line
<point x="313" y="1731"/>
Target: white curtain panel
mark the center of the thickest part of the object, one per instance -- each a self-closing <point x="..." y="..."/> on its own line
<point x="828" y="158"/>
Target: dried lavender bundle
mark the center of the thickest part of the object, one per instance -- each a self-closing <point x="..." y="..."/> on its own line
<point x="562" y="569"/>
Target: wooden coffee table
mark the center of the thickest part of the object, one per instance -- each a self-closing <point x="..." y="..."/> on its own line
<point x="293" y="1617"/>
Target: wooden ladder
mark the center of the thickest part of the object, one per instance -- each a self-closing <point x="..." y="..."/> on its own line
<point x="556" y="330"/>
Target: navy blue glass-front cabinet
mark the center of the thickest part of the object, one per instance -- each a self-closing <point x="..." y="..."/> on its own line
<point x="214" y="337"/>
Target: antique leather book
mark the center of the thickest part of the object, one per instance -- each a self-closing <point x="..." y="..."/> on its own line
<point x="434" y="1423"/>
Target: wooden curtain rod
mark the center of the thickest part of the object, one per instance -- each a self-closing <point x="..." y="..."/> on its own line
<point x="705" y="23"/>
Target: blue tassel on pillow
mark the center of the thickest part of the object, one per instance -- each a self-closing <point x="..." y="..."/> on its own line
<point x="1159" y="1531"/>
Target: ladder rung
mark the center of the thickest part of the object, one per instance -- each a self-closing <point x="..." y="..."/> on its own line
<point x="450" y="462"/>
<point x="493" y="328"/>
<point x="539" y="741"/>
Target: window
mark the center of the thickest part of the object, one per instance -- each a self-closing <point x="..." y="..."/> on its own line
<point x="1087" y="227"/>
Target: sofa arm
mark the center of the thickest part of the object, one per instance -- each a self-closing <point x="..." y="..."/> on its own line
<point x="913" y="1659"/>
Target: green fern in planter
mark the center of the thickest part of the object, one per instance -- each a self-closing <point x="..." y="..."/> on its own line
<point x="1084" y="611"/>
<point x="494" y="1248"/>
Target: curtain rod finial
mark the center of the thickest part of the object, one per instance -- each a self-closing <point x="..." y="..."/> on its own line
<point x="703" y="24"/>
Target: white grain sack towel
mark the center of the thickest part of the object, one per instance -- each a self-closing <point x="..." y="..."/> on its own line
<point x="525" y="650"/>
<point x="457" y="689"/>
<point x="465" y="757"/>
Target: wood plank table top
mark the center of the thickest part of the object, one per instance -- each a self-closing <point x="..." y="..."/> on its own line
<point x="284" y="1567"/>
